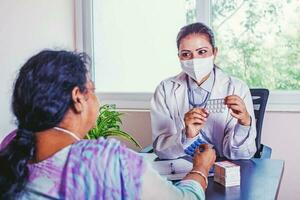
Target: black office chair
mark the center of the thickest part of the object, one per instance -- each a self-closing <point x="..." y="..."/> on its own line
<point x="260" y="99"/>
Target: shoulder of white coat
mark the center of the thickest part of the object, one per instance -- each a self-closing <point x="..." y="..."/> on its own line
<point x="240" y="87"/>
<point x="239" y="82"/>
<point x="178" y="79"/>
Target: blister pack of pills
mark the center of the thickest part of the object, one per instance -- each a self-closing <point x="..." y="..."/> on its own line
<point x="215" y="106"/>
<point x="191" y="149"/>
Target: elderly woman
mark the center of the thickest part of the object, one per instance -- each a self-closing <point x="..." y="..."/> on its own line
<point x="55" y="106"/>
<point x="179" y="116"/>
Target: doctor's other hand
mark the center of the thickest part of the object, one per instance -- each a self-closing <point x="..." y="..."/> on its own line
<point x="194" y="120"/>
<point x="238" y="109"/>
<point x="204" y="160"/>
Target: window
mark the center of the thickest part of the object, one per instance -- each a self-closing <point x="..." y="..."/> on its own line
<point x="133" y="44"/>
<point x="259" y="41"/>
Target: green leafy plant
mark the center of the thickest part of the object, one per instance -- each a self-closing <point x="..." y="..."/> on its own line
<point x="108" y="124"/>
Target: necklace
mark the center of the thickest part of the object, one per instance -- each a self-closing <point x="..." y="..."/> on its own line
<point x="68" y="132"/>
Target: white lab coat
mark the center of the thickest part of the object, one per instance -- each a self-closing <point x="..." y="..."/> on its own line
<point x="170" y="103"/>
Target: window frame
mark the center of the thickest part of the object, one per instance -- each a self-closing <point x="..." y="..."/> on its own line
<point x="279" y="100"/>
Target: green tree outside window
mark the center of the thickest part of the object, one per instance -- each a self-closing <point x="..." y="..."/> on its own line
<point x="258" y="40"/>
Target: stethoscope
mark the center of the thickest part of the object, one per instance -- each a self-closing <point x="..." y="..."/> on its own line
<point x="204" y="103"/>
<point x="230" y="91"/>
<point x="191" y="97"/>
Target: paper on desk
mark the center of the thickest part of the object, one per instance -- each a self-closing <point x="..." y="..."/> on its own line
<point x="149" y="156"/>
<point x="180" y="167"/>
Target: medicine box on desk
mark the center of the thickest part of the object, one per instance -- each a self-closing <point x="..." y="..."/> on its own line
<point x="227" y="173"/>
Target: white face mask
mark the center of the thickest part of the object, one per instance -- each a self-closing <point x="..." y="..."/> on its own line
<point x="198" y="68"/>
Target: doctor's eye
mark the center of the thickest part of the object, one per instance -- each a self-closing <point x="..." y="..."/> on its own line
<point x="201" y="51"/>
<point x="185" y="55"/>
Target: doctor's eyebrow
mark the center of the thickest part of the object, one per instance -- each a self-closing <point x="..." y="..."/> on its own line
<point x="184" y="50"/>
<point x="202" y="48"/>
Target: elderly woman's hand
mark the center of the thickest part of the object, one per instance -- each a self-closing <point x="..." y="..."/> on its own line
<point x="238" y="109"/>
<point x="204" y="160"/>
<point x="194" y="120"/>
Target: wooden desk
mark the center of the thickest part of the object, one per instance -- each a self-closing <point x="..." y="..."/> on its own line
<point x="260" y="179"/>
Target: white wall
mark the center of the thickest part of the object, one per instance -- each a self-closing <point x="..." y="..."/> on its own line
<point x="27" y="27"/>
<point x="280" y="132"/>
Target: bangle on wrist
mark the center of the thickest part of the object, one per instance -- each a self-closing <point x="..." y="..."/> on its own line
<point x="201" y="174"/>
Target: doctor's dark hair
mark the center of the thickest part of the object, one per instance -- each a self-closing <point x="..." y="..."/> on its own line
<point x="196" y="28"/>
<point x="41" y="97"/>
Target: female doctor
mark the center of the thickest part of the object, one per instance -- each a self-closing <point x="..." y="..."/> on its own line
<point x="178" y="113"/>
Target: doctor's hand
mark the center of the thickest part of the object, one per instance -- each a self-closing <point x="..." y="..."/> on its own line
<point x="194" y="120"/>
<point x="238" y="109"/>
